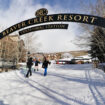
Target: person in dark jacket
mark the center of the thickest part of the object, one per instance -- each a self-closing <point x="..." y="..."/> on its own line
<point x="29" y="65"/>
<point x="45" y="65"/>
<point x="36" y="64"/>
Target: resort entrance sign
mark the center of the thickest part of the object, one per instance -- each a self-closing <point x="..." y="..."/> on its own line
<point x="42" y="17"/>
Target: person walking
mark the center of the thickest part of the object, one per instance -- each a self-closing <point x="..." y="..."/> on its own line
<point x="45" y="65"/>
<point x="29" y="65"/>
<point x="36" y="64"/>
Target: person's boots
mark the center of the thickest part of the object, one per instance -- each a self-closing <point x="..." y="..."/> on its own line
<point x="26" y="76"/>
<point x="34" y="69"/>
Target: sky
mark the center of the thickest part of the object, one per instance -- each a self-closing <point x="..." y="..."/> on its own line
<point x="14" y="11"/>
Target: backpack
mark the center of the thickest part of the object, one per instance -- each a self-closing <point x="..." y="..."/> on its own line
<point x="43" y="66"/>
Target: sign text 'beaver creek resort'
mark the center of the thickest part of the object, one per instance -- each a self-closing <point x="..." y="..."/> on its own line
<point x="42" y="17"/>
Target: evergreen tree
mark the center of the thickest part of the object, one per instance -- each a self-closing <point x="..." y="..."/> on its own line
<point x="97" y="46"/>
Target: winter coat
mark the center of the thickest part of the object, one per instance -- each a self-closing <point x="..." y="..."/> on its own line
<point x="45" y="64"/>
<point x="29" y="63"/>
<point x="36" y="63"/>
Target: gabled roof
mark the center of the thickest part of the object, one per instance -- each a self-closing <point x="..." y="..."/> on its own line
<point x="15" y="37"/>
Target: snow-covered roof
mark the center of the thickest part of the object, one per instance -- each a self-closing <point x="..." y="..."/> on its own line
<point x="65" y="59"/>
<point x="85" y="56"/>
<point x="95" y="58"/>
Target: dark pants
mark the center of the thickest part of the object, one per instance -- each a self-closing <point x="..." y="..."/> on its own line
<point x="29" y="71"/>
<point x="45" y="71"/>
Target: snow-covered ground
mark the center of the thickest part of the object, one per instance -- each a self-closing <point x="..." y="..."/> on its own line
<point x="64" y="85"/>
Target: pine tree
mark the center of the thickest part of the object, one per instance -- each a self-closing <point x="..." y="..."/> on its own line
<point x="97" y="46"/>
